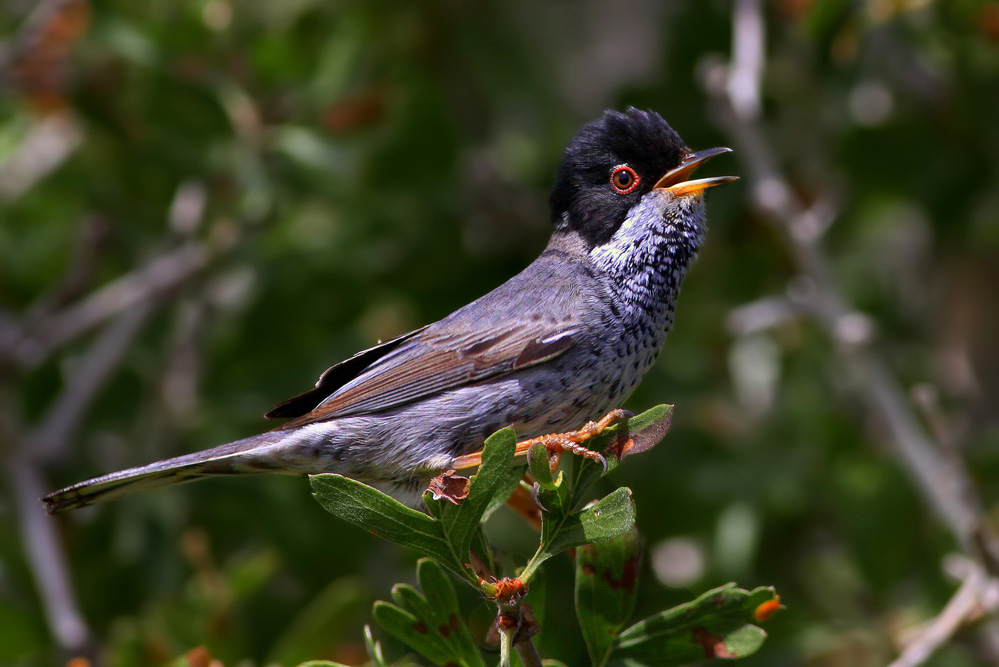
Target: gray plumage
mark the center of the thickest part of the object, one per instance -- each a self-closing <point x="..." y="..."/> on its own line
<point x="564" y="341"/>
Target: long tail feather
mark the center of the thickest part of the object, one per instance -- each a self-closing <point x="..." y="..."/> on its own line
<point x="241" y="456"/>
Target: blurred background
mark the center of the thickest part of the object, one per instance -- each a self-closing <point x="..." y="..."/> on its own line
<point x="205" y="203"/>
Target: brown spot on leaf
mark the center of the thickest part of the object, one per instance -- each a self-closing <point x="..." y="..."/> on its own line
<point x="629" y="575"/>
<point x="589" y="569"/>
<point x="444" y="629"/>
<point x="718" y="600"/>
<point x="713" y="645"/>
<point x="420" y="627"/>
<point x="453" y="619"/>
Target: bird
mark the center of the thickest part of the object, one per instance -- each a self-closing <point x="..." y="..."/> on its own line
<point x="565" y="340"/>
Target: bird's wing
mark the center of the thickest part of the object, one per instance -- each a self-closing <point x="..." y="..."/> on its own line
<point x="336" y="377"/>
<point x="438" y="358"/>
<point x="530" y="319"/>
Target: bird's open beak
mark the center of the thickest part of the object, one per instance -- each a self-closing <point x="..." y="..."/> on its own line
<point x="675" y="181"/>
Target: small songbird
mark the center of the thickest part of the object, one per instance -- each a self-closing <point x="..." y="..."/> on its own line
<point x="562" y="342"/>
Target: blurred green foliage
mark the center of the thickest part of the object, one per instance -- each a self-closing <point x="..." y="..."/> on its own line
<point x="366" y="168"/>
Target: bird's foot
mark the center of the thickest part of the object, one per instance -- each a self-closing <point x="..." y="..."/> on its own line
<point x="572" y="441"/>
<point x="557" y="443"/>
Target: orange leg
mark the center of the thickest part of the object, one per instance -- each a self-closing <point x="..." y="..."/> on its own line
<point x="556" y="443"/>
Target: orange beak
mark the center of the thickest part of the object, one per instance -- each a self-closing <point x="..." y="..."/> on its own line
<point x="675" y="181"/>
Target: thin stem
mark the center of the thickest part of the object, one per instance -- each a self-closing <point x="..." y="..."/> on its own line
<point x="506" y="645"/>
<point x="45" y="554"/>
<point x="539" y="557"/>
<point x="940" y="630"/>
<point x="528" y="652"/>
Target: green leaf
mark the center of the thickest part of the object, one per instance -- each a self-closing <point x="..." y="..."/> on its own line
<point x="462" y="521"/>
<point x="606" y="588"/>
<point x="511" y="478"/>
<point x="643" y="432"/>
<point x="412" y="632"/>
<point x="612" y="516"/>
<point x="538" y="464"/>
<point x="382" y="515"/>
<point x="374" y="648"/>
<point x="430" y="622"/>
<point x="444" y="606"/>
<point x="648" y="429"/>
<point x="718" y="624"/>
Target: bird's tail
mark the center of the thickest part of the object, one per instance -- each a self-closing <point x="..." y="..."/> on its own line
<point x="253" y="454"/>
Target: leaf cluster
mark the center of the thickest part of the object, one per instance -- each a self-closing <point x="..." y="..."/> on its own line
<point x="720" y="623"/>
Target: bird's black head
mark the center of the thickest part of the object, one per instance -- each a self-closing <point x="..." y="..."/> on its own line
<point x="612" y="163"/>
<point x="607" y="168"/>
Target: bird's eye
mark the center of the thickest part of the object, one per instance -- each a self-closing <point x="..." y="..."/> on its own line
<point x="624" y="179"/>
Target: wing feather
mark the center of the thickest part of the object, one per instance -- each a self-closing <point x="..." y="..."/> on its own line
<point x="437" y="361"/>
<point x="529" y="320"/>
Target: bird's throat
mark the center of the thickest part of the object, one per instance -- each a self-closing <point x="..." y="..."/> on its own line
<point x="648" y="256"/>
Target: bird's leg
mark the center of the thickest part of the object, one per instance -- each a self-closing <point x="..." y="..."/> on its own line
<point x="556" y="443"/>
<point x="571" y="442"/>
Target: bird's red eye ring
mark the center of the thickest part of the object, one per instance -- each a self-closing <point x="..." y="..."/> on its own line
<point x="624" y="179"/>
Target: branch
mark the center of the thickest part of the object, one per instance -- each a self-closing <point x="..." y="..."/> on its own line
<point x="158" y="276"/>
<point x="944" y="482"/>
<point x="977" y="591"/>
<point x="92" y="236"/>
<point x="747" y="58"/>
<point x="528" y="652"/>
<point x="46" y="146"/>
<point x="44" y="553"/>
<point x="50" y="438"/>
<point x="761" y="315"/>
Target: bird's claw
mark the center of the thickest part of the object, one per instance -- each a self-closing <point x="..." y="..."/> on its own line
<point x="556" y="443"/>
<point x="556" y="448"/>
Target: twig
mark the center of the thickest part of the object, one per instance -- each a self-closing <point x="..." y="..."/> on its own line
<point x="49" y="439"/>
<point x="747" y="57"/>
<point x="43" y="548"/>
<point x="945" y="484"/>
<point x="761" y="315"/>
<point x="188" y="208"/>
<point x="160" y="275"/>
<point x="45" y="147"/>
<point x="963" y="605"/>
<point x="44" y="554"/>
<point x="528" y="652"/>
<point x="92" y="235"/>
<point x="938" y="472"/>
<point x="179" y="380"/>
